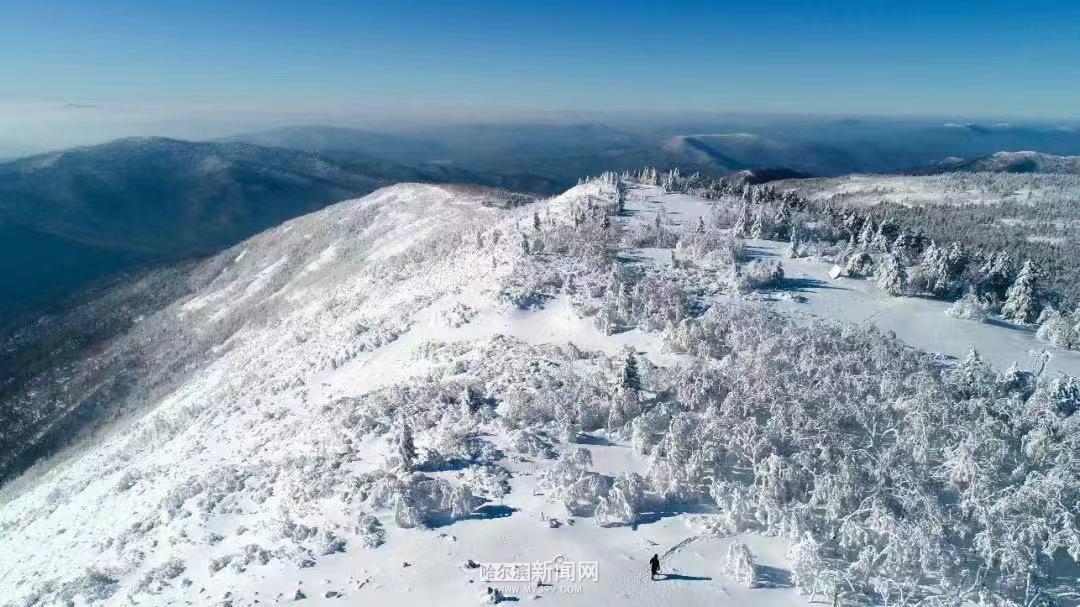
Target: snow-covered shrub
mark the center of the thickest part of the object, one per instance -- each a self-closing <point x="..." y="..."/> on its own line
<point x="739" y="564"/>
<point x="649" y="300"/>
<point x="968" y="307"/>
<point x="457" y="445"/>
<point x="92" y="586"/>
<point x="127" y="480"/>
<point x="488" y="482"/>
<point x="646" y="430"/>
<point x="622" y="504"/>
<point x="758" y="274"/>
<point x="531" y="443"/>
<point x="530" y="286"/>
<point x="569" y="430"/>
<point x="717" y="246"/>
<point x="735" y="506"/>
<point x="422" y="501"/>
<point x="570" y="482"/>
<point x="652" y="235"/>
<point x="160" y="576"/>
<point x="457" y="316"/>
<point x="678" y="466"/>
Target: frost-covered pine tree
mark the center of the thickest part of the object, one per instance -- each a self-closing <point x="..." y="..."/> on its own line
<point x="782" y="224"/>
<point x="994" y="278"/>
<point x="631" y="380"/>
<point x="932" y="273"/>
<point x="757" y="229"/>
<point x="470" y="402"/>
<point x="891" y="276"/>
<point x="405" y="448"/>
<point x="903" y="248"/>
<point x="806" y="565"/>
<point x="866" y="235"/>
<point x="743" y="221"/>
<point x="859" y="264"/>
<point x="794" y="245"/>
<point x="1021" y="302"/>
<point x="973" y="376"/>
<point x="880" y="242"/>
<point x="536" y="221"/>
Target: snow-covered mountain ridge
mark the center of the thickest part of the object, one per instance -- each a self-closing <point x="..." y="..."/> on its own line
<point x="376" y="394"/>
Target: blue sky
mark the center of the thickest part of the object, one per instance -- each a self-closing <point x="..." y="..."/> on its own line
<point x="931" y="58"/>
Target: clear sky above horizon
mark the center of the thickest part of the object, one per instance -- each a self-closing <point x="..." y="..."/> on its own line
<point x="914" y="57"/>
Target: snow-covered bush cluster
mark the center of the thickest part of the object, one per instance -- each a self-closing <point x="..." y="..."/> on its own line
<point x="922" y="249"/>
<point x="758" y="274"/>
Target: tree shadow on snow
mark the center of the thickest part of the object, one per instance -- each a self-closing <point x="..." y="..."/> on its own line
<point x="490" y="511"/>
<point x="752" y="252"/>
<point x="773" y="577"/>
<point x="802" y="285"/>
<point x="658" y="511"/>
<point x="596" y="441"/>
<point x="1004" y="324"/>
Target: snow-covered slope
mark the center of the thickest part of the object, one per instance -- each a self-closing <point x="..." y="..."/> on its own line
<point x="382" y="400"/>
<point x="236" y="485"/>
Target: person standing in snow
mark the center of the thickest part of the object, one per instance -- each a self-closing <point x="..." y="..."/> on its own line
<point x="654" y="566"/>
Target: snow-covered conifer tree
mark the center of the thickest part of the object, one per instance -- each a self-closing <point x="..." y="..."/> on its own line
<point x="405" y="449"/>
<point x="994" y="278"/>
<point x="891" y="276"/>
<point x="973" y="376"/>
<point x="782" y="224"/>
<point x="866" y="235"/>
<point x="630" y="380"/>
<point x="757" y="229"/>
<point x="806" y="565"/>
<point x="1022" y="303"/>
<point x="859" y="264"/>
<point x="794" y="250"/>
<point x="880" y="242"/>
<point x="743" y="221"/>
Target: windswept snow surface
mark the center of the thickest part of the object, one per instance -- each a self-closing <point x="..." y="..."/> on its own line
<point x="250" y="481"/>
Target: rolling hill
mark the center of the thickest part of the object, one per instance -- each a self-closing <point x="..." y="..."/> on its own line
<point x="1011" y="162"/>
<point x="73" y="216"/>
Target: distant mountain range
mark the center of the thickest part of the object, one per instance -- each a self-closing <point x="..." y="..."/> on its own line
<point x="70" y="217"/>
<point x="738" y="151"/>
<point x="1010" y="162"/>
